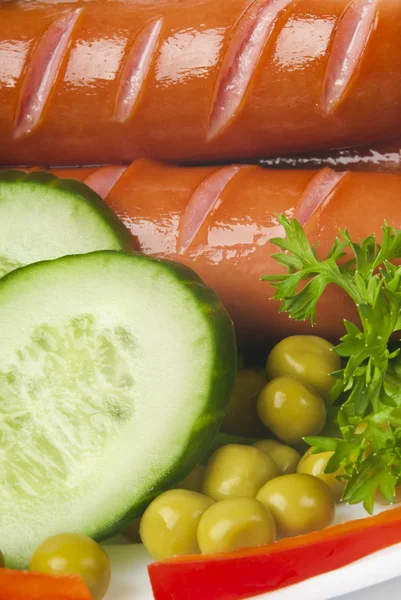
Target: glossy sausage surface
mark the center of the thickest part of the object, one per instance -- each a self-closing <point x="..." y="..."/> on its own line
<point x="220" y="220"/>
<point x="382" y="157"/>
<point x="89" y="82"/>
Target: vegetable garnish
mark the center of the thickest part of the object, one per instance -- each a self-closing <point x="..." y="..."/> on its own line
<point x="100" y="355"/>
<point x="23" y="585"/>
<point x="245" y="573"/>
<point x="365" y="401"/>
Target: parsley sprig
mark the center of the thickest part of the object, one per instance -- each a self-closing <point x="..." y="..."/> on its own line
<point x="365" y="401"/>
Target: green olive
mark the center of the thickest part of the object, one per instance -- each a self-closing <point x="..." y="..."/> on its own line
<point x="74" y="554"/>
<point x="2" y="562"/>
<point x="241" y="414"/>
<point x="299" y="503"/>
<point x="315" y="464"/>
<point x="291" y="409"/>
<point x="169" y="524"/>
<point x="194" y="480"/>
<point x="233" y="524"/>
<point x="236" y="471"/>
<point x="285" y="457"/>
<point x="307" y="357"/>
<point x="132" y="532"/>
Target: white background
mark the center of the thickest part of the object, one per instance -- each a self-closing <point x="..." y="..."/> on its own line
<point x="390" y="590"/>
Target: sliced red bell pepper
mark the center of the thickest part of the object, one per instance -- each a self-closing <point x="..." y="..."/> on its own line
<point x="23" y="585"/>
<point x="253" y="571"/>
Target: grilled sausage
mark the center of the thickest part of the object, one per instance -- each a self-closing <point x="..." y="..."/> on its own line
<point x="220" y="220"/>
<point x="86" y="82"/>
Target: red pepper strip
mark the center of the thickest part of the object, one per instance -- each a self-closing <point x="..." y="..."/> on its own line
<point x="23" y="585"/>
<point x="253" y="571"/>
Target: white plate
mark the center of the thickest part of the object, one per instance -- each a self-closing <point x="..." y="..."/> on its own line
<point x="130" y="578"/>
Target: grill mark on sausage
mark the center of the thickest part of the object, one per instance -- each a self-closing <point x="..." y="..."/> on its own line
<point x="241" y="59"/>
<point x="136" y="69"/>
<point x="203" y="203"/>
<point x="349" y="44"/>
<point x="319" y="188"/>
<point x="42" y="71"/>
<point x="104" y="179"/>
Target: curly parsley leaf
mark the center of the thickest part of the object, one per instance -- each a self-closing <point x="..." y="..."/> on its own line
<point x="366" y="398"/>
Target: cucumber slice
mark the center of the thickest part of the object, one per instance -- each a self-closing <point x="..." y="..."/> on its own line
<point x="43" y="217"/>
<point x="114" y="373"/>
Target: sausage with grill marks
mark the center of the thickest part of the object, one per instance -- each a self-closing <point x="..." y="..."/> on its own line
<point x="87" y="82"/>
<point x="220" y="220"/>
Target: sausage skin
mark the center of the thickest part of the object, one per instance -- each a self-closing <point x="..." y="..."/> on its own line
<point x="220" y="220"/>
<point x="88" y="82"/>
<point x="384" y="157"/>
